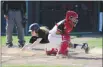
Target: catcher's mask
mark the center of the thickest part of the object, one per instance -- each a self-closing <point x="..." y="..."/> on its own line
<point x="72" y="16"/>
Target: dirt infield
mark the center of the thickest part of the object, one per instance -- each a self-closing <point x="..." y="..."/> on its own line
<point x="37" y="56"/>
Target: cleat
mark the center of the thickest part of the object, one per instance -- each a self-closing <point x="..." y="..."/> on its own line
<point x="52" y="52"/>
<point x="85" y="47"/>
<point x="9" y="45"/>
<point x="75" y="45"/>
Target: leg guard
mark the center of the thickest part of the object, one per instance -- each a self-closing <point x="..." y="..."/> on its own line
<point x="65" y="44"/>
<point x="64" y="48"/>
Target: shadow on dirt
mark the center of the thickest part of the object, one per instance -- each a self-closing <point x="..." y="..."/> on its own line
<point x="86" y="58"/>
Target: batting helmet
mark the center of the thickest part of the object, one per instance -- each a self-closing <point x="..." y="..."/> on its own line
<point x="34" y="27"/>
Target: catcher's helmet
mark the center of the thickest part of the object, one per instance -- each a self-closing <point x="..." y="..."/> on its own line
<point x="71" y="14"/>
<point x="34" y="27"/>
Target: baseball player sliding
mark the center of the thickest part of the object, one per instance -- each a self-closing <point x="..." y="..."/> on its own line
<point x="63" y="28"/>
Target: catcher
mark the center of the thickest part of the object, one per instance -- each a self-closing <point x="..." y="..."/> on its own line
<point x="64" y="28"/>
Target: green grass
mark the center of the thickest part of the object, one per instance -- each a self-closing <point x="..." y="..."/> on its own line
<point x="96" y="42"/>
<point x="15" y="39"/>
<point x="37" y="66"/>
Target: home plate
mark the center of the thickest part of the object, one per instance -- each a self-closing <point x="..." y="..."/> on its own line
<point x="12" y="51"/>
<point x="27" y="53"/>
<point x="17" y="51"/>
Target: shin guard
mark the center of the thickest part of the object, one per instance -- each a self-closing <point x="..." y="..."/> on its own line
<point x="65" y="44"/>
<point x="64" y="48"/>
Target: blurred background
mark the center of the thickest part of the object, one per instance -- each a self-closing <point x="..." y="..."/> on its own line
<point x="50" y="12"/>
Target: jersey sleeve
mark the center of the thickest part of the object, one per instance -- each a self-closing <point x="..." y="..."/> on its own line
<point x="60" y="28"/>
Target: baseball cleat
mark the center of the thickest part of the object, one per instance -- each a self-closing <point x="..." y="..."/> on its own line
<point x="85" y="47"/>
<point x="9" y="45"/>
<point x="53" y="52"/>
<point x="75" y="45"/>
